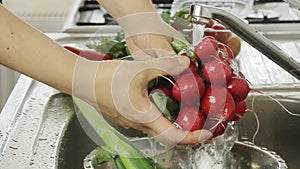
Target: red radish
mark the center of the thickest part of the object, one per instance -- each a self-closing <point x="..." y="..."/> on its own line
<point x="239" y="88"/>
<point x="226" y="52"/>
<point x="218" y="103"/>
<point x="217" y="72"/>
<point x="206" y="49"/>
<point x="193" y="68"/>
<point x="73" y="49"/>
<point x="214" y="99"/>
<point x="210" y="23"/>
<point x="209" y="32"/>
<point x="216" y="127"/>
<point x="229" y="109"/>
<point x="89" y="54"/>
<point x="190" y="118"/>
<point x="240" y="110"/>
<point x="189" y="88"/>
<point x="227" y="113"/>
<point x="220" y="36"/>
<point x="220" y="129"/>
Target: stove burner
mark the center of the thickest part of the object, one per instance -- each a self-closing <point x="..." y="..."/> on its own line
<point x="92" y="13"/>
<point x="263" y="14"/>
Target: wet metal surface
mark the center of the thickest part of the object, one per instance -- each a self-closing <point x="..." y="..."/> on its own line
<point x="38" y="128"/>
<point x="260" y="70"/>
<point x="32" y="124"/>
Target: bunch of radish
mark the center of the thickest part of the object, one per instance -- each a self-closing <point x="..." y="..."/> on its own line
<point x="209" y="94"/>
<point x="212" y="91"/>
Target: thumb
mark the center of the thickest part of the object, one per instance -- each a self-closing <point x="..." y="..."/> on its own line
<point x="168" y="65"/>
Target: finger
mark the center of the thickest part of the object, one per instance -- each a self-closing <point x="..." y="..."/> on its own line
<point x="151" y="44"/>
<point x="163" y="130"/>
<point x="166" y="66"/>
<point x="136" y="108"/>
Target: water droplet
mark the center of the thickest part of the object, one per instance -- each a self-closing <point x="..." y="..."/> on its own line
<point x="13" y="147"/>
<point x="264" y="148"/>
<point x="42" y="139"/>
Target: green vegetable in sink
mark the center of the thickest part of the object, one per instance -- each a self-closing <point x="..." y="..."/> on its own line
<point x="115" y="46"/>
<point x="118" y="147"/>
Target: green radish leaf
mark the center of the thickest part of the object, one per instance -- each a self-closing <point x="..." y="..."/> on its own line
<point x="166" y="16"/>
<point x="161" y="101"/>
<point x="173" y="107"/>
<point x="102" y="155"/>
<point x="178" y="45"/>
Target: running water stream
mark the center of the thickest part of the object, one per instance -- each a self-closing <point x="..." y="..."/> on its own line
<point x="214" y="155"/>
<point x="198" y="33"/>
<point x="217" y="155"/>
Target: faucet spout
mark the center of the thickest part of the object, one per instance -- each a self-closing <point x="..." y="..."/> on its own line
<point x="201" y="14"/>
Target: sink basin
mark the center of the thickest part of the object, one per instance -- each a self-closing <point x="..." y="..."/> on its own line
<point x="44" y="131"/>
<point x="244" y="155"/>
<point x="279" y="132"/>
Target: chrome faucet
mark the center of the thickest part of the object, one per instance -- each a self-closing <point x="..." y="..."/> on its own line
<point x="201" y="14"/>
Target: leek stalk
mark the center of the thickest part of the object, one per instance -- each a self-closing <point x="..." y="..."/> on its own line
<point x="128" y="156"/>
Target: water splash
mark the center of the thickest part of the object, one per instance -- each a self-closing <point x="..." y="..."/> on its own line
<point x="198" y="33"/>
<point x="218" y="154"/>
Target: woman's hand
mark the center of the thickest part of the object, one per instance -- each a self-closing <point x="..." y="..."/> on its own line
<point x="119" y="88"/>
<point x="121" y="92"/>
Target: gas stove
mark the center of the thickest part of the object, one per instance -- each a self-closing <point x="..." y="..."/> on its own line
<point x="88" y="16"/>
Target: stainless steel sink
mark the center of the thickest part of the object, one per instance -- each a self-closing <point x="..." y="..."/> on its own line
<point x="244" y="155"/>
<point x="279" y="131"/>
<point x="44" y="131"/>
<point x="39" y="128"/>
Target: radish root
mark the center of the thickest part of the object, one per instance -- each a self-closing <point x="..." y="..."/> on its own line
<point x="257" y="124"/>
<point x="255" y="114"/>
<point x="277" y="101"/>
<point x="167" y="79"/>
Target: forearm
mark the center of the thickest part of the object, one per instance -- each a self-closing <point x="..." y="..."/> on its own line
<point x="30" y="52"/>
<point x="119" y="8"/>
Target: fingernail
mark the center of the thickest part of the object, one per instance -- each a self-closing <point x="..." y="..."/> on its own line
<point x="205" y="135"/>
